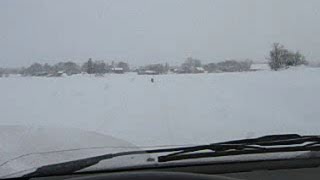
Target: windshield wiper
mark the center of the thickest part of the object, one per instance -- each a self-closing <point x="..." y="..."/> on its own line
<point x="76" y="165"/>
<point x="265" y="144"/>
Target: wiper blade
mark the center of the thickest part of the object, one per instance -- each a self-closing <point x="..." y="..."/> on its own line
<point x="76" y="165"/>
<point x="245" y="146"/>
<point x="67" y="167"/>
<point x="265" y="144"/>
<point x="70" y="167"/>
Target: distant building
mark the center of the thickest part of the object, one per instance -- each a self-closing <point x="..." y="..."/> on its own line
<point x="117" y="70"/>
<point x="187" y="70"/>
<point x="150" y="72"/>
<point x="147" y="72"/>
<point x="179" y="71"/>
<point x="199" y="70"/>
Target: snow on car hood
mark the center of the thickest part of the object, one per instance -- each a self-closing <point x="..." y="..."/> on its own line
<point x="23" y="149"/>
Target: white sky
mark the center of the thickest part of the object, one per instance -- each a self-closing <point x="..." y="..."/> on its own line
<point x="149" y="31"/>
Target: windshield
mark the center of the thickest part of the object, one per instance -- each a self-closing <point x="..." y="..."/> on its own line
<point x="85" y="78"/>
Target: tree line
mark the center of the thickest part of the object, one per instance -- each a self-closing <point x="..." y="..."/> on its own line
<point x="71" y="68"/>
<point x="279" y="58"/>
<point x="191" y="65"/>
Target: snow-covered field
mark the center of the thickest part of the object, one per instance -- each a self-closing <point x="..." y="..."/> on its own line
<point x="176" y="109"/>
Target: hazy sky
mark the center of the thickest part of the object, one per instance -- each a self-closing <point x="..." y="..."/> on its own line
<point x="149" y="31"/>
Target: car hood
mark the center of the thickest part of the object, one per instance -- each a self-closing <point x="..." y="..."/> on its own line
<point x="23" y="149"/>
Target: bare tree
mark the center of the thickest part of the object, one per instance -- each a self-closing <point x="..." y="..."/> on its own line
<point x="124" y="66"/>
<point x="88" y="67"/>
<point x="36" y="69"/>
<point x="190" y="65"/>
<point x="281" y="57"/>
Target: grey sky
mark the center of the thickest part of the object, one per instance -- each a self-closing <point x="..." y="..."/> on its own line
<point x="148" y="31"/>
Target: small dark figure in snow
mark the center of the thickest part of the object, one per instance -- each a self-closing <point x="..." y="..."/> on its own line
<point x="152" y="80"/>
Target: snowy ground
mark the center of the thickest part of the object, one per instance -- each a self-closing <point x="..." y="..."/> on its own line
<point x="176" y="109"/>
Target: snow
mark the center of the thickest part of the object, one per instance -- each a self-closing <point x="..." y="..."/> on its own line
<point x="117" y="69"/>
<point x="150" y="72"/>
<point x="41" y="114"/>
<point x="260" y="66"/>
<point x="174" y="110"/>
<point x="199" y="69"/>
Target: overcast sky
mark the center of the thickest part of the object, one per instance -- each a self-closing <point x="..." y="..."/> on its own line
<point x="149" y="31"/>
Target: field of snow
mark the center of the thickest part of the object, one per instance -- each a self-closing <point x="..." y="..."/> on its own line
<point x="176" y="109"/>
